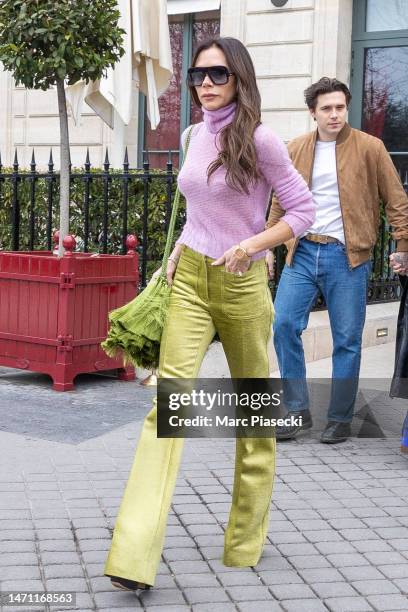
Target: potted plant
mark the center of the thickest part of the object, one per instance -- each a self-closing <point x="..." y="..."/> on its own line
<point x="54" y="312"/>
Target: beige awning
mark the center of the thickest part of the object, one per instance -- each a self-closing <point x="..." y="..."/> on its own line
<point x="146" y="65"/>
<point x="177" y="7"/>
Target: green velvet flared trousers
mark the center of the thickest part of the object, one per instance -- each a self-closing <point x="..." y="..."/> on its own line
<point x="204" y="300"/>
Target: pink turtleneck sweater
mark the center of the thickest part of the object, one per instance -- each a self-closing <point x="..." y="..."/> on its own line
<point x="219" y="217"/>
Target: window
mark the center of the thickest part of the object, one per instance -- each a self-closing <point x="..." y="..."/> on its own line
<point x="386" y="15"/>
<point x="176" y="108"/>
<point x="385" y="95"/>
<point x="379" y="74"/>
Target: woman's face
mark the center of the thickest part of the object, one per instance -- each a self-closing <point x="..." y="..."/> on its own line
<point x="213" y="96"/>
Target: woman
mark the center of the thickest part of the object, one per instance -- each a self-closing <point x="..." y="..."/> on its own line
<point x="399" y="383"/>
<point x="220" y="285"/>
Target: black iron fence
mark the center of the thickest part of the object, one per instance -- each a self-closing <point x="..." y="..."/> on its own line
<point x="105" y="206"/>
<point x="108" y="204"/>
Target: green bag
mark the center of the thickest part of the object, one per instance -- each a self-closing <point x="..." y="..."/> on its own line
<point x="136" y="328"/>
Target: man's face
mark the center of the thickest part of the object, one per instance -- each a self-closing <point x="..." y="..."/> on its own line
<point x="330" y="114"/>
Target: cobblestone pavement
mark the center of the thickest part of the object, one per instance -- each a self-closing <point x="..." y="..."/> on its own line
<point x="338" y="537"/>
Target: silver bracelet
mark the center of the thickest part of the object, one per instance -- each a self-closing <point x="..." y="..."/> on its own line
<point x="175" y="261"/>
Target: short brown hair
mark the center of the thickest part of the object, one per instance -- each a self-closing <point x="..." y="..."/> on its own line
<point x="323" y="86"/>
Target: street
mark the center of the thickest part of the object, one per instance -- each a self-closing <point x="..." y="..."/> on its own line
<point x="338" y="537"/>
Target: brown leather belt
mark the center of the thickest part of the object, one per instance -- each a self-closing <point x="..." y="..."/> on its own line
<point x="320" y="238"/>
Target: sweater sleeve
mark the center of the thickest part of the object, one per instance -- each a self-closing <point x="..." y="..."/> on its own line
<point x="183" y="141"/>
<point x="288" y="185"/>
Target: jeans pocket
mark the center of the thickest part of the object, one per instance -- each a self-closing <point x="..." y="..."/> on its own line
<point x="245" y="297"/>
<point x="185" y="284"/>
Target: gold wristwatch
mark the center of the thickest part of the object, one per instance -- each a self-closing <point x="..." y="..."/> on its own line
<point x="241" y="253"/>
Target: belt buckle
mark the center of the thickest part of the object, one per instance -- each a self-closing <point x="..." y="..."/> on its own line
<point x="320" y="238"/>
<point x="312" y="237"/>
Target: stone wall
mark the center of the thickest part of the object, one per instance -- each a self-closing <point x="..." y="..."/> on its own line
<point x="291" y="47"/>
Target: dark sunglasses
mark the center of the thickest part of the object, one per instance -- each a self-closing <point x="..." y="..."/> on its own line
<point x="219" y="75"/>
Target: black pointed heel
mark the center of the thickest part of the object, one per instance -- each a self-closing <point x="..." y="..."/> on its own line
<point x="128" y="585"/>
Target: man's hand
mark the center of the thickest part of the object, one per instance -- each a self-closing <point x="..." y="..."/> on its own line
<point x="270" y="261"/>
<point x="233" y="264"/>
<point x="399" y="262"/>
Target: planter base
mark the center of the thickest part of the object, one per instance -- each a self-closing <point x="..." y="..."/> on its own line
<point x="126" y="373"/>
<point x="63" y="386"/>
<point x="54" y="312"/>
<point x="63" y="375"/>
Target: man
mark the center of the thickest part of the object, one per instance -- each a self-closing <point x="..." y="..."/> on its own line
<point x="349" y="172"/>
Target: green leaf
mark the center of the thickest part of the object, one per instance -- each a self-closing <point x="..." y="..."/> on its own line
<point x="43" y="41"/>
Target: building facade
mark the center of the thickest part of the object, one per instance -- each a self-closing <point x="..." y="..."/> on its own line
<point x="292" y="43"/>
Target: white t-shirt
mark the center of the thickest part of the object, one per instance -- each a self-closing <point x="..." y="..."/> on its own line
<point x="325" y="192"/>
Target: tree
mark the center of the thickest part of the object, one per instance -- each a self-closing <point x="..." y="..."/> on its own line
<point x="44" y="43"/>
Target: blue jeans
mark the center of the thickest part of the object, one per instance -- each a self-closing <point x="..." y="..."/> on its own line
<point x="321" y="267"/>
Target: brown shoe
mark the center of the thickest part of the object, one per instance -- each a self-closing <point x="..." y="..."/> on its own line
<point x="289" y="432"/>
<point x="336" y="432"/>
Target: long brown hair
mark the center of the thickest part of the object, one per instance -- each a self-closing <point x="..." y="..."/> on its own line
<point x="237" y="148"/>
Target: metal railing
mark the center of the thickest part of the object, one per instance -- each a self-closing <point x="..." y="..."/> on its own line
<point x="23" y="186"/>
<point x="26" y="183"/>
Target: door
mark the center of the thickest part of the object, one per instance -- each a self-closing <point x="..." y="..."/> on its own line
<point x="187" y="32"/>
<point x="379" y="85"/>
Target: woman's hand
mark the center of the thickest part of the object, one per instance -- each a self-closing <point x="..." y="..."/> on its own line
<point x="270" y="261"/>
<point x="171" y="269"/>
<point x="399" y="263"/>
<point x="172" y="263"/>
<point x="233" y="263"/>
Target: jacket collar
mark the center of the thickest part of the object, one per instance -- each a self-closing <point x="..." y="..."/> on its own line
<point x="342" y="135"/>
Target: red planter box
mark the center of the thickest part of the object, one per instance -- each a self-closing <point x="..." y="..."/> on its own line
<point x="54" y="311"/>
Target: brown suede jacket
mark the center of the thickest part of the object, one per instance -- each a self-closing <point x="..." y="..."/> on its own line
<point x="366" y="175"/>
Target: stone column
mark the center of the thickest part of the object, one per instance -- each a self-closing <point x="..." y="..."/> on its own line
<point x="233" y="18"/>
<point x="5" y="116"/>
<point x="332" y="40"/>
